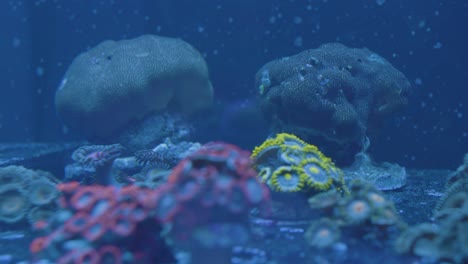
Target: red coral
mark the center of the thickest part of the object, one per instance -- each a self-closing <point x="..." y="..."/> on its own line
<point x="210" y="192"/>
<point x="100" y="215"/>
<point x="215" y="184"/>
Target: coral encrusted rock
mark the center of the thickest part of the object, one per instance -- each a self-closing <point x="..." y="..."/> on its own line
<point x="331" y="96"/>
<point x="117" y="82"/>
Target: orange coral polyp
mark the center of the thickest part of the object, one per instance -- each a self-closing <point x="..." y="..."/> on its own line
<point x="68" y="187"/>
<point x="84" y="198"/>
<point x="77" y="223"/>
<point x="39" y="244"/>
<point x="95" y="229"/>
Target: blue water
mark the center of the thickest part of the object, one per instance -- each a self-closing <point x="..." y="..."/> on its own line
<point x="424" y="39"/>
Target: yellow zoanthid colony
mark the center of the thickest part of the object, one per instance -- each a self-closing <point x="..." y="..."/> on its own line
<point x="288" y="164"/>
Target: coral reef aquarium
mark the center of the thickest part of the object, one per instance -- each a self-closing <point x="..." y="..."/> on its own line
<point x="233" y="132"/>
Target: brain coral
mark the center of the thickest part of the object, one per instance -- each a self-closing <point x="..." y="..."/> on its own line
<point x="333" y="94"/>
<point x="116" y="82"/>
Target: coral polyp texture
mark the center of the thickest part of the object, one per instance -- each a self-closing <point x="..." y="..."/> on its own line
<point x="92" y="163"/>
<point x="333" y="95"/>
<point x="97" y="155"/>
<point x="204" y="204"/>
<point x="116" y="82"/>
<point x="288" y="164"/>
<point x="363" y="212"/>
<point x="23" y="191"/>
<point x="209" y="195"/>
<point x="446" y="240"/>
<point x="103" y="224"/>
<point x="13" y="204"/>
<point x="165" y="155"/>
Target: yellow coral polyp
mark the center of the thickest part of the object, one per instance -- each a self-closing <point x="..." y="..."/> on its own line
<point x="264" y="174"/>
<point x="269" y="146"/>
<point x="292" y="155"/>
<point x="289" y="140"/>
<point x="311" y="151"/>
<point x="316" y="174"/>
<point x="308" y="168"/>
<point x="287" y="179"/>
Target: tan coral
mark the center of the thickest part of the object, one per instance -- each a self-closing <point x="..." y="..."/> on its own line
<point x="13" y="203"/>
<point x="15" y="175"/>
<point x="117" y="82"/>
<point x="42" y="191"/>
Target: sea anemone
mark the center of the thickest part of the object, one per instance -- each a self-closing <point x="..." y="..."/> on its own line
<point x="13" y="203"/>
<point x="322" y="233"/>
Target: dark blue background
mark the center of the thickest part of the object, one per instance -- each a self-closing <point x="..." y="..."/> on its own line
<point x="40" y="38"/>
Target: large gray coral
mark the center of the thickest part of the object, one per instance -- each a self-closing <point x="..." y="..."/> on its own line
<point x="333" y="94"/>
<point x="116" y="82"/>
